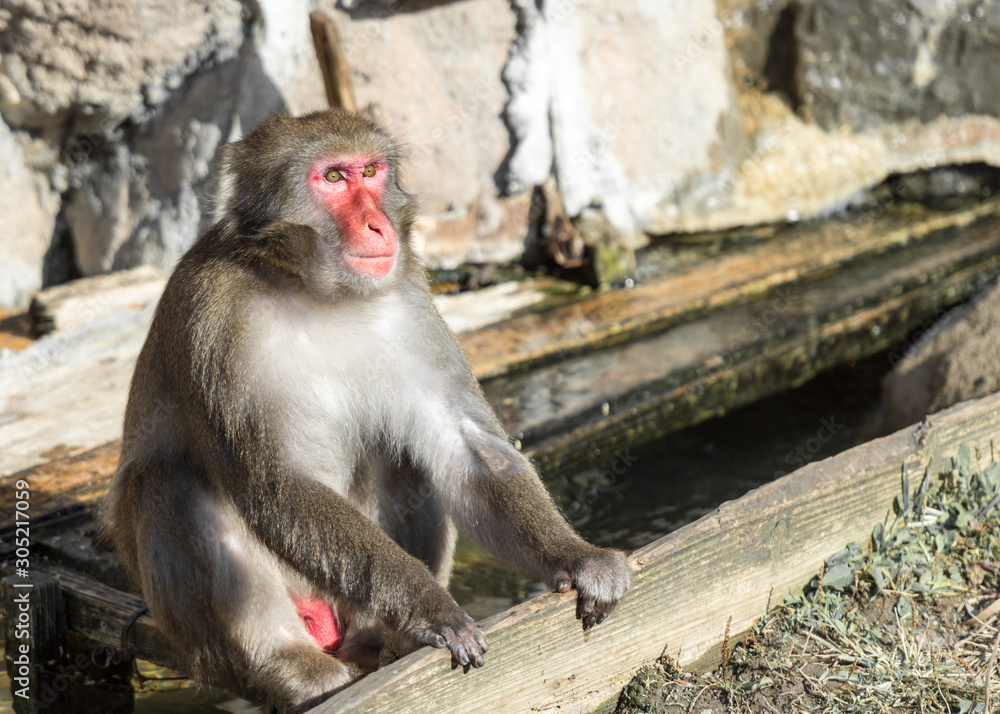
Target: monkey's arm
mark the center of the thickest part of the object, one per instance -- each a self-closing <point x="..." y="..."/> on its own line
<point x="513" y="515"/>
<point x="326" y="539"/>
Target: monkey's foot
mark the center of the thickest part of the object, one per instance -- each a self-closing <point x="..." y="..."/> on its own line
<point x="601" y="581"/>
<point x="460" y="635"/>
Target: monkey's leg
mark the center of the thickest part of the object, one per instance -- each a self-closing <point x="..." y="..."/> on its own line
<point x="228" y="604"/>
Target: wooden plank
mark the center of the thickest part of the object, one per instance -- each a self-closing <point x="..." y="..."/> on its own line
<point x="34" y="618"/>
<point x="732" y="563"/>
<point x="66" y="394"/>
<point x="74" y="548"/>
<point x="78" y="479"/>
<point x="616" y="316"/>
<point x="474" y="310"/>
<point x="564" y="412"/>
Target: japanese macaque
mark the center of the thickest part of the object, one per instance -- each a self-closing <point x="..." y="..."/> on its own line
<point x="296" y="389"/>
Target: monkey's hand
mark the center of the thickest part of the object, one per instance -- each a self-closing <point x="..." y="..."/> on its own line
<point x="451" y="627"/>
<point x="600" y="579"/>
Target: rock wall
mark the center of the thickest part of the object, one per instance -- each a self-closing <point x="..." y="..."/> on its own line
<point x="118" y="107"/>
<point x="662" y="115"/>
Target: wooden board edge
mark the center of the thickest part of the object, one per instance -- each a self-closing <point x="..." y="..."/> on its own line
<point x="776" y="537"/>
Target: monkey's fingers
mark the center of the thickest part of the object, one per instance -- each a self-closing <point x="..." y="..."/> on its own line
<point x="464" y="639"/>
<point x="592" y="611"/>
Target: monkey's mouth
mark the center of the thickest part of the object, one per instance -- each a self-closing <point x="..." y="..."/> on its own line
<point x="370" y="266"/>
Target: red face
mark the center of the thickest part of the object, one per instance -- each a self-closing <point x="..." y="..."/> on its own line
<point x="351" y="188"/>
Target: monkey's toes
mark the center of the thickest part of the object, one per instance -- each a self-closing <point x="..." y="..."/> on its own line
<point x="465" y="641"/>
<point x="467" y="644"/>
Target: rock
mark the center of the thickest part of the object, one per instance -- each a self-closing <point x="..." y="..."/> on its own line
<point x="863" y="63"/>
<point x="795" y="168"/>
<point x="951" y="359"/>
<point x="28" y="210"/>
<point x="137" y="199"/>
<point x="79" y="302"/>
<point x="102" y="63"/>
<point x="119" y="107"/>
<point x="283" y="74"/>
<point x="595" y="77"/>
<point x="137" y="97"/>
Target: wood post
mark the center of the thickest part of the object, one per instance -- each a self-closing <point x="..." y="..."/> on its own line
<point x="34" y="620"/>
<point x="332" y="62"/>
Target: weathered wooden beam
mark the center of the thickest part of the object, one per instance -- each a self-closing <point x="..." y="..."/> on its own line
<point x="732" y="563"/>
<point x="565" y="412"/>
<point x="332" y="61"/>
<point x="77" y="479"/>
<point x="621" y="315"/>
<point x="100" y="614"/>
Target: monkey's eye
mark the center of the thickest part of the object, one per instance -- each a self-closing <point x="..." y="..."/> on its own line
<point x="333" y="176"/>
<point x="369" y="170"/>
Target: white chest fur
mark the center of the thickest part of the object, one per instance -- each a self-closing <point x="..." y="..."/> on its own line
<point x="334" y="379"/>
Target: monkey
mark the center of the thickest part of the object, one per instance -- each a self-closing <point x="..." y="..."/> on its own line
<point x="295" y="388"/>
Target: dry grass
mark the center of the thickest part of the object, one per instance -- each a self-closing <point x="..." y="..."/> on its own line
<point x="909" y="622"/>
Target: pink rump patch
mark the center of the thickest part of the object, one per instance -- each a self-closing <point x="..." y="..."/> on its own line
<point x="320" y="622"/>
